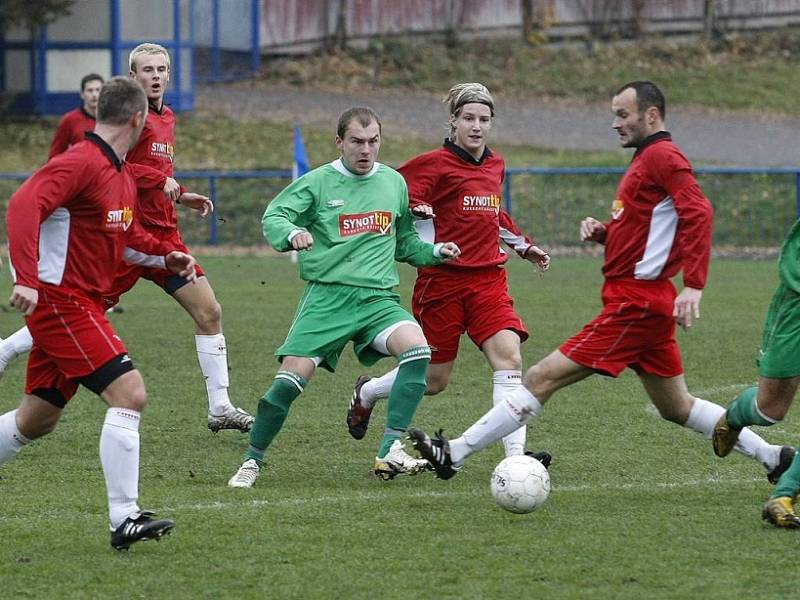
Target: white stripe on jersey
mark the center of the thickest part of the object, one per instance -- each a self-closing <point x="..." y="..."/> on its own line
<point x="517" y="242"/>
<point x="53" y="245"/>
<point x="426" y="230"/>
<point x="135" y="257"/>
<point x="660" y="238"/>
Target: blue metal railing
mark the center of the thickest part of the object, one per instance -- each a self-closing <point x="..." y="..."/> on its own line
<point x="213" y="178"/>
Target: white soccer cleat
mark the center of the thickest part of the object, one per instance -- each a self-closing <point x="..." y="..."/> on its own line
<point x="246" y="476"/>
<point x="232" y="418"/>
<point x="397" y="462"/>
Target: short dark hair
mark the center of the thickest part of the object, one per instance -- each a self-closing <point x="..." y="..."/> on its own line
<point x="120" y="99"/>
<point x="90" y="77"/>
<point x="647" y="95"/>
<point x="363" y="114"/>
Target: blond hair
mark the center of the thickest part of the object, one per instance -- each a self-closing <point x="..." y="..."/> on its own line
<point x="146" y="48"/>
<point x="465" y="93"/>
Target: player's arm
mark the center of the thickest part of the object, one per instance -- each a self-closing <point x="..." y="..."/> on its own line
<point x="411" y="249"/>
<point x="525" y="247"/>
<point x="421" y="174"/>
<point x="143" y="249"/>
<point x="287" y="217"/>
<point x="593" y="230"/>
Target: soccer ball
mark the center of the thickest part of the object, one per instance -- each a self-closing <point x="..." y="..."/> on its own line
<point x="520" y="484"/>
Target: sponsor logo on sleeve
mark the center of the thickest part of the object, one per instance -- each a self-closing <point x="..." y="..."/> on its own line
<point x="481" y="203"/>
<point x="378" y="221"/>
<point x="120" y="219"/>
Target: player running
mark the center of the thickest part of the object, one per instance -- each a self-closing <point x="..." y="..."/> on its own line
<point x="350" y="219"/>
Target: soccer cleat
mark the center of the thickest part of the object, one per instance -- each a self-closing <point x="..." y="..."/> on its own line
<point x="543" y="457"/>
<point x="397" y="462"/>
<point x="232" y="418"/>
<point x="785" y="459"/>
<point x="724" y="437"/>
<point x="357" y="415"/>
<point x="139" y="528"/>
<point x="436" y="451"/>
<point x="246" y="476"/>
<point x="780" y="512"/>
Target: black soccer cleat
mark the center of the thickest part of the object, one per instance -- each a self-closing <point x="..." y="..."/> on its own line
<point x="543" y="457"/>
<point x="139" y="529"/>
<point x="357" y="414"/>
<point x="784" y="462"/>
<point x="436" y="451"/>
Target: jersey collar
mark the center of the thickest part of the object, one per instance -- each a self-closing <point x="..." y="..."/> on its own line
<point x="87" y="114"/>
<point x="652" y="139"/>
<point x="464" y="155"/>
<point x="339" y="166"/>
<point x="91" y="136"/>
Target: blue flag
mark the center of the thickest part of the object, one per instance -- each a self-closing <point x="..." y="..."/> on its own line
<point x="300" y="165"/>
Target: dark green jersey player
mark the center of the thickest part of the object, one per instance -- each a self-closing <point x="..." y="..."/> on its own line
<point x="350" y="220"/>
<point x="778" y="378"/>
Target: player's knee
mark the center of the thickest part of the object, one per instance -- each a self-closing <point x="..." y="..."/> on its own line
<point x="135" y="399"/>
<point x="208" y="316"/>
<point x="539" y="382"/>
<point x="33" y="429"/>
<point x="436" y="384"/>
<point x="676" y="411"/>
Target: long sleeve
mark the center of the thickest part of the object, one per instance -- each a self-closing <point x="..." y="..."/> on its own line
<point x="147" y="177"/>
<point x="286" y="213"/>
<point x="141" y="248"/>
<point x="60" y="139"/>
<point x="421" y="174"/>
<point x="410" y="248"/>
<point x="512" y="235"/>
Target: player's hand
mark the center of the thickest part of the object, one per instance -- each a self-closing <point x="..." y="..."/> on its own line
<point x="303" y="241"/>
<point x="24" y="299"/>
<point x="182" y="264"/>
<point x="198" y="202"/>
<point x="423" y="211"/>
<point x="449" y="251"/>
<point x="592" y="230"/>
<point x="687" y="307"/>
<point x="172" y="189"/>
<point x="538" y="257"/>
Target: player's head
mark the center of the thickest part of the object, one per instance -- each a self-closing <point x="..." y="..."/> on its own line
<point x="90" y="91"/>
<point x="639" y="109"/>
<point x="358" y="138"/>
<point x="123" y="103"/>
<point x="471" y="108"/>
<point x="149" y="65"/>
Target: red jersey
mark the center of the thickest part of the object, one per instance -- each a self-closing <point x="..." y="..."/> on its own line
<point x="660" y="220"/>
<point x="466" y="196"/>
<point x="72" y="128"/>
<point x="151" y="158"/>
<point x="72" y="222"/>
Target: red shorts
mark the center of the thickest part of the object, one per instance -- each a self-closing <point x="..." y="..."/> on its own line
<point x="127" y="275"/>
<point x="447" y="304"/>
<point x="635" y="329"/>
<point x="71" y="339"/>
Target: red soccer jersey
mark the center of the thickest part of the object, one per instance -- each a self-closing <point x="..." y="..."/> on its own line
<point x="151" y="155"/>
<point x="72" y="222"/>
<point x="466" y="197"/>
<point x="660" y="220"/>
<point x="72" y="129"/>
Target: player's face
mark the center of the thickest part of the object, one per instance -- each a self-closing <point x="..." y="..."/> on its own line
<point x="631" y="126"/>
<point x="90" y="95"/>
<point x="360" y="146"/>
<point x="472" y="127"/>
<point x="152" y="71"/>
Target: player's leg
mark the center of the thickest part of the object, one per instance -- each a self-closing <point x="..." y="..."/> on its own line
<point x="779" y="509"/>
<point x="17" y="343"/>
<point x="122" y="388"/>
<point x="34" y="418"/>
<point x="502" y="350"/>
<point x="212" y="354"/>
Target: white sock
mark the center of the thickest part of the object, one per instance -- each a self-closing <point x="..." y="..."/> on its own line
<point x="11" y="440"/>
<point x="119" y="454"/>
<point x="213" y="357"/>
<point x="507" y="382"/>
<point x="17" y="343"/>
<point x="704" y="415"/>
<point x="377" y="388"/>
<point x="515" y="409"/>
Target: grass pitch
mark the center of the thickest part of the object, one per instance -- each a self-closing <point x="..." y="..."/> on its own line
<point x="640" y="508"/>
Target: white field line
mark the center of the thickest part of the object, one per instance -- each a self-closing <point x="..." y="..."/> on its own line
<point x="243" y="503"/>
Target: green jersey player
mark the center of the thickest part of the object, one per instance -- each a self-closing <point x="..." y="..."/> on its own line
<point x="778" y="378"/>
<point x="350" y="220"/>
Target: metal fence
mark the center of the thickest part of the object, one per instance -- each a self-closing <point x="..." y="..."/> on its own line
<point x="754" y="207"/>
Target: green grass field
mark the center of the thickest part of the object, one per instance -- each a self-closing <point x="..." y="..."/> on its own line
<point x="639" y="509"/>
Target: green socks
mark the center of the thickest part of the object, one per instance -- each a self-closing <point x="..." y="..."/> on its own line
<point x="789" y="483"/>
<point x="405" y="395"/>
<point x="272" y="411"/>
<point x="743" y="411"/>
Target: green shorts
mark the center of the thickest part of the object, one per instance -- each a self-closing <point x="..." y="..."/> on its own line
<point x="329" y="315"/>
<point x="779" y="355"/>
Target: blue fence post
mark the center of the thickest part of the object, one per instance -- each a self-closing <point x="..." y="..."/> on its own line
<point x="212" y="226"/>
<point x="215" y="64"/>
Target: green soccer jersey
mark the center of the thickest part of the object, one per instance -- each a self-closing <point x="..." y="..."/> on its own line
<point x="361" y="224"/>
<point x="789" y="262"/>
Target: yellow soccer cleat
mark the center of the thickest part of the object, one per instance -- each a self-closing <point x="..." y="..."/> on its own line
<point x="724" y="437"/>
<point x="780" y="512"/>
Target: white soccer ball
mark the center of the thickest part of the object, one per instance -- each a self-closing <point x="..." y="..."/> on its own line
<point x="520" y="484"/>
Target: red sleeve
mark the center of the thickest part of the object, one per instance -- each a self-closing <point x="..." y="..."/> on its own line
<point x="421" y="174"/>
<point x="52" y="186"/>
<point x="60" y="139"/>
<point x="512" y="235"/>
<point x="673" y="173"/>
<point x="148" y="178"/>
<point x="140" y="240"/>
